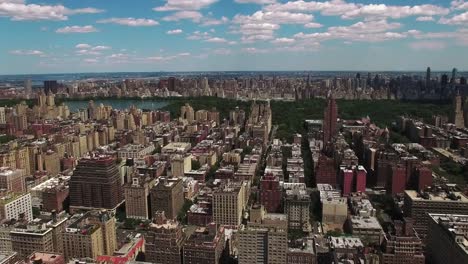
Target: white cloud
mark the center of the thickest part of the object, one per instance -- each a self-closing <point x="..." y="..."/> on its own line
<point x="195" y="16"/>
<point x="277" y="17"/>
<point x="19" y="10"/>
<point x="87" y="52"/>
<point x="427" y="45"/>
<point x="130" y="21"/>
<point x="365" y="27"/>
<point x="313" y="25"/>
<point x="174" y="32"/>
<point x="180" y="5"/>
<point x="119" y="56"/>
<point x="383" y="11"/>
<point x="83" y="46"/>
<point x="259" y="2"/>
<point x="216" y="40"/>
<point x="101" y="48"/>
<point x="283" y="41"/>
<point x="27" y="52"/>
<point x="353" y="10"/>
<point x="166" y="58"/>
<point x="425" y="18"/>
<point x="459" y="5"/>
<point x="253" y="50"/>
<point x="367" y="31"/>
<point x="209" y="21"/>
<point x="262" y="25"/>
<point x="197" y="35"/>
<point x="460" y="19"/>
<point x="77" y="29"/>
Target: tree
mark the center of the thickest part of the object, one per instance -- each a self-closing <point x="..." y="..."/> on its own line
<point x="195" y="164"/>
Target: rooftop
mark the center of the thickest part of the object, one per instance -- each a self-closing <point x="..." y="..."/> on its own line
<point x="437" y="196"/>
<point x="345" y="242"/>
<point x="365" y="222"/>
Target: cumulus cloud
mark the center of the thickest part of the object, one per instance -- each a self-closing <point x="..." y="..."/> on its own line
<point x="313" y="25"/>
<point x="459" y="5"/>
<point x="130" y="21"/>
<point x="460" y="19"/>
<point x="262" y="24"/>
<point x="19" y="10"/>
<point x="259" y="2"/>
<point x="427" y="45"/>
<point x="77" y="29"/>
<point x="174" y="32"/>
<point x="216" y="40"/>
<point x="197" y="35"/>
<point x="425" y="18"/>
<point x="83" y="46"/>
<point x="209" y="21"/>
<point x="27" y="52"/>
<point x="180" y="5"/>
<point x="195" y="16"/>
<point x="283" y="41"/>
<point x="364" y="31"/>
<point x="253" y="50"/>
<point x="354" y="10"/>
<point x="166" y="58"/>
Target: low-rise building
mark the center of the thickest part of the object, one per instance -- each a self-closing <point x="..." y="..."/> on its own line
<point x="205" y="245"/>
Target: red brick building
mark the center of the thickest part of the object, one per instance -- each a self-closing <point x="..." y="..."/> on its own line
<point x="270" y="193"/>
<point x="325" y="171"/>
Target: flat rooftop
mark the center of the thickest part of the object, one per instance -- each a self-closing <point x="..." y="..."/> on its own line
<point x="436" y="196"/>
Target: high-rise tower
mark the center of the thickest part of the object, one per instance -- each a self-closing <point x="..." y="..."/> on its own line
<point x="329" y="120"/>
<point x="95" y="183"/>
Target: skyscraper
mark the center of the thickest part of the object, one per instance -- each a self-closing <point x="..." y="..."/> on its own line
<point x="50" y="87"/>
<point x="428" y="76"/>
<point x="457" y="116"/>
<point x="95" y="183"/>
<point x="28" y="87"/>
<point x="329" y="119"/>
<point x="454" y="75"/>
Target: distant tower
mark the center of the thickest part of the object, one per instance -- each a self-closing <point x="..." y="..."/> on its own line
<point x="457" y="117"/>
<point x="50" y="87"/>
<point x="329" y="119"/>
<point x="454" y="75"/>
<point x="28" y="87"/>
<point x="428" y="76"/>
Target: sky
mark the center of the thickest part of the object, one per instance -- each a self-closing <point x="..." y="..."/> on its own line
<point x="67" y="36"/>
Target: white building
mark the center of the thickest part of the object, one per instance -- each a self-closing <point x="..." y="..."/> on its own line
<point x="135" y="151"/>
<point x="13" y="205"/>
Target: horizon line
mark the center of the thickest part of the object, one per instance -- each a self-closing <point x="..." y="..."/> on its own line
<point x="219" y="71"/>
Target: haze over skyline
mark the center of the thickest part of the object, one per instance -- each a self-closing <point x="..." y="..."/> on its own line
<point x="223" y="35"/>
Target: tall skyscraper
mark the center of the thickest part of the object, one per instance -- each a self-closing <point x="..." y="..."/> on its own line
<point x="457" y="115"/>
<point x="28" y="87"/>
<point x="428" y="76"/>
<point x="329" y="119"/>
<point x="454" y="75"/>
<point x="96" y="183"/>
<point x="50" y="87"/>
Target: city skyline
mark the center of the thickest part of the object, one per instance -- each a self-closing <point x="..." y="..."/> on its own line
<point x="207" y="35"/>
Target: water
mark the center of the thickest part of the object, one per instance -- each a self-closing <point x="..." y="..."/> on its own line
<point x="120" y="104"/>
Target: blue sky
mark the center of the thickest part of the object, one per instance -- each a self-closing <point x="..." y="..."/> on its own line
<point x="51" y="36"/>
